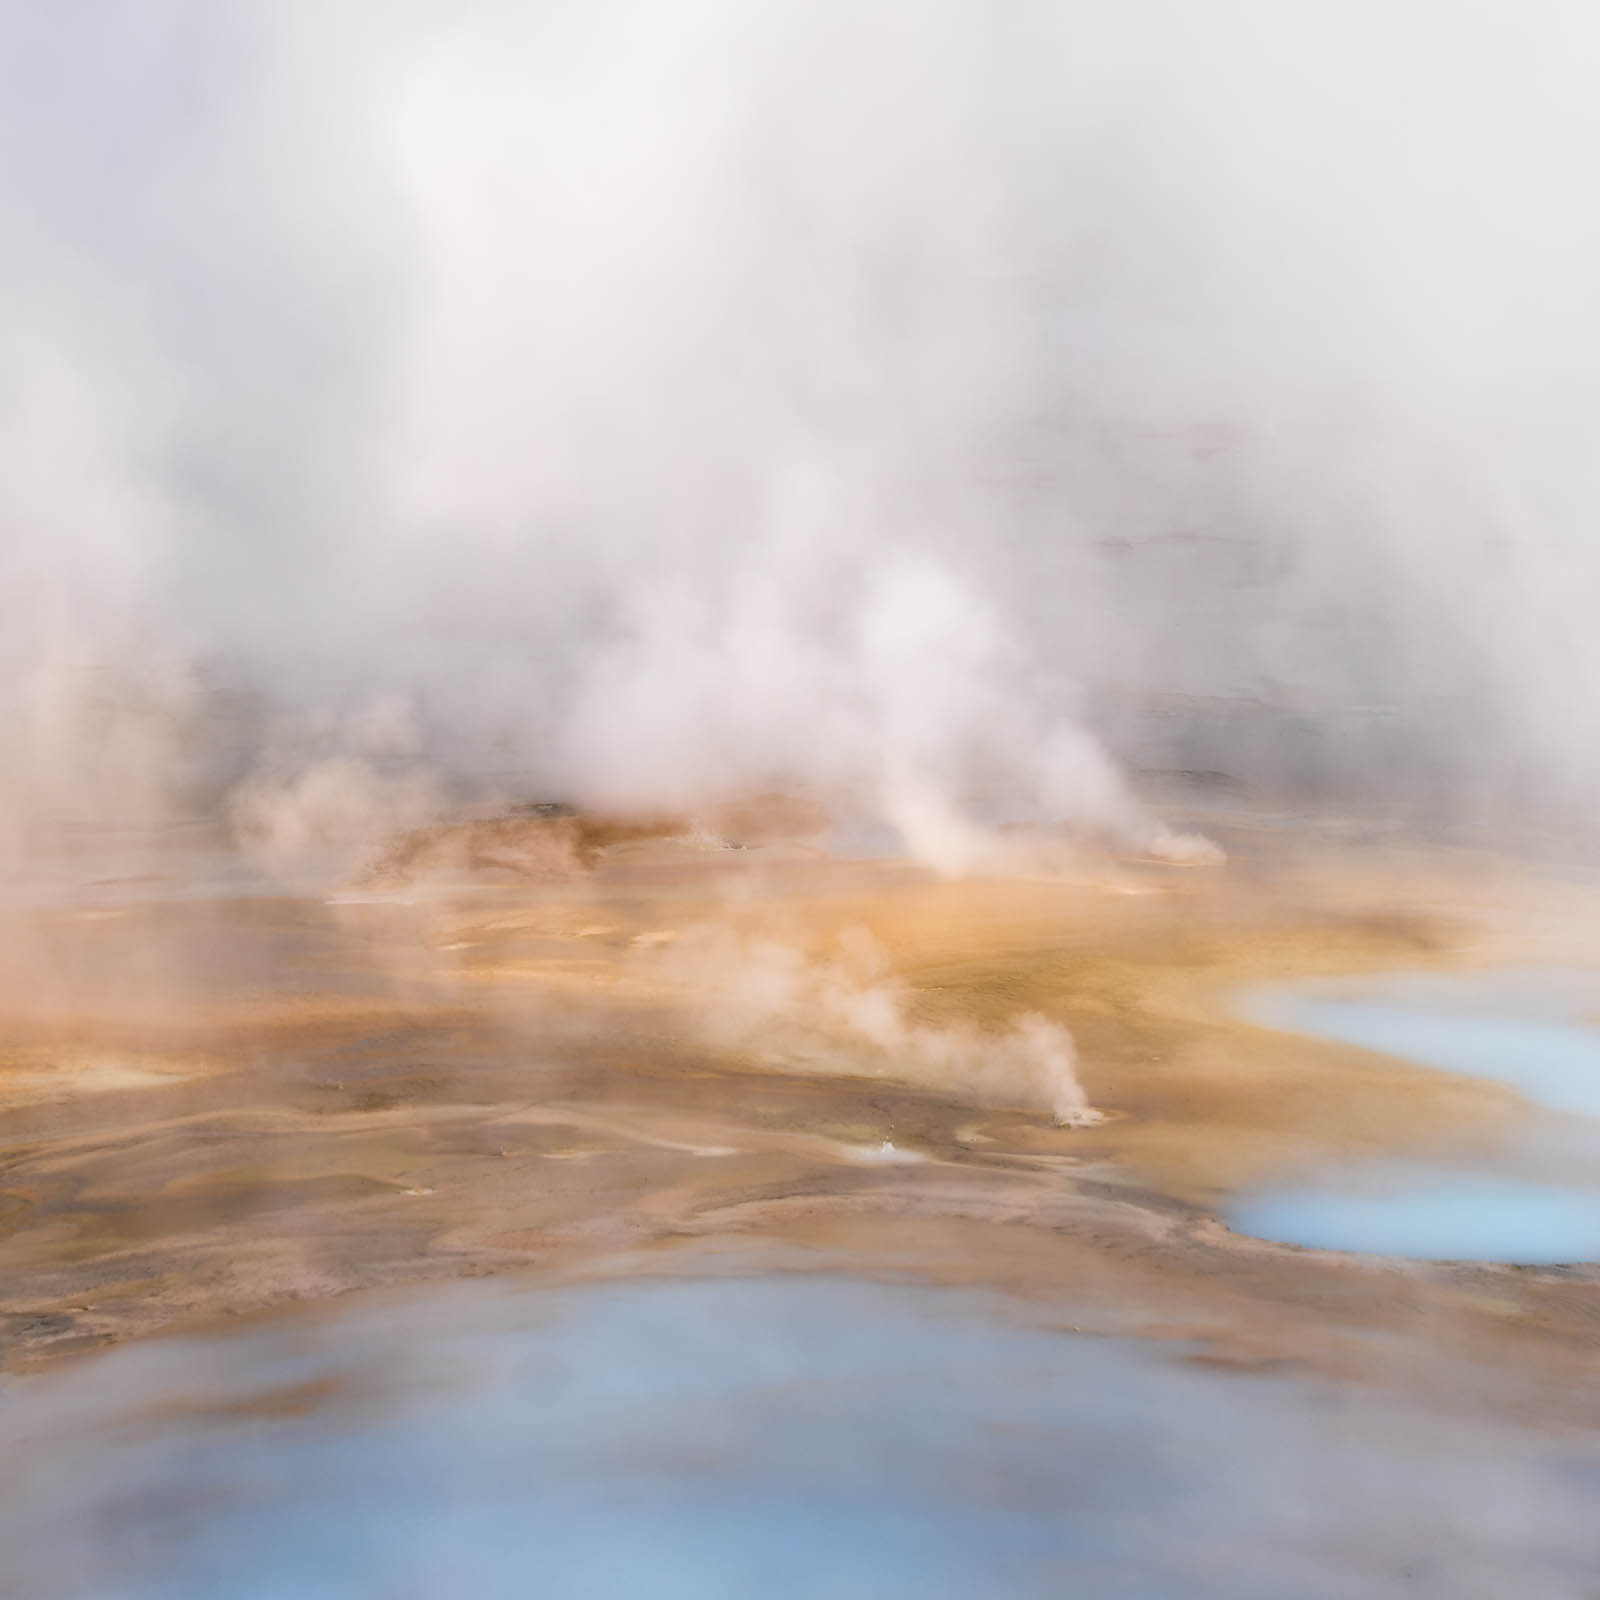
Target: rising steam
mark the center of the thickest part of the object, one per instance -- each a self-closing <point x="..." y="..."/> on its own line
<point x="916" y="403"/>
<point x="845" y="1013"/>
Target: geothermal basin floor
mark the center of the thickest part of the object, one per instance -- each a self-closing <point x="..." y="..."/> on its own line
<point x="219" y="1110"/>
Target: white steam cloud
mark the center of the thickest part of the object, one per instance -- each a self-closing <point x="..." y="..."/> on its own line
<point x="847" y="1014"/>
<point x="640" y="402"/>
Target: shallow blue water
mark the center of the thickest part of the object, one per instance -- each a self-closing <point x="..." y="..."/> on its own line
<point x="1494" y="1026"/>
<point x="1432" y="1215"/>
<point x="1535" y="1198"/>
<point x="781" y="1438"/>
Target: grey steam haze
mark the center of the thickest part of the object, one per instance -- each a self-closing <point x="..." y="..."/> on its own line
<point x="966" y="409"/>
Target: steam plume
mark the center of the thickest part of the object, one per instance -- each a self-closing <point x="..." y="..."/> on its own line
<point x="846" y="1014"/>
<point x="941" y="406"/>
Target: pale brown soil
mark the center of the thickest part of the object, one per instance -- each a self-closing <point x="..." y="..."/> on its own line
<point x="212" y="1108"/>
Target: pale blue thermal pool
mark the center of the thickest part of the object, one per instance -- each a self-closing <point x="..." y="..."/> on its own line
<point x="1536" y="1201"/>
<point x="1432" y="1215"/>
<point x="780" y="1437"/>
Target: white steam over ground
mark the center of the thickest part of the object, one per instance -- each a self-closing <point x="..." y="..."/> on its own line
<point x="943" y="405"/>
<point x="847" y="1014"/>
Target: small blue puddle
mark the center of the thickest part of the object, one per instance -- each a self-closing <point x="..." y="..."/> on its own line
<point x="775" y="1437"/>
<point x="1431" y="1215"/>
<point x="1524" y="1028"/>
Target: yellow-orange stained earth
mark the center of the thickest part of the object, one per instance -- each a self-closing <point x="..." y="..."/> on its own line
<point x="210" y="1106"/>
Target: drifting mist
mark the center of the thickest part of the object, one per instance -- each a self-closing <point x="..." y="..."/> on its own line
<point x="946" y="407"/>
